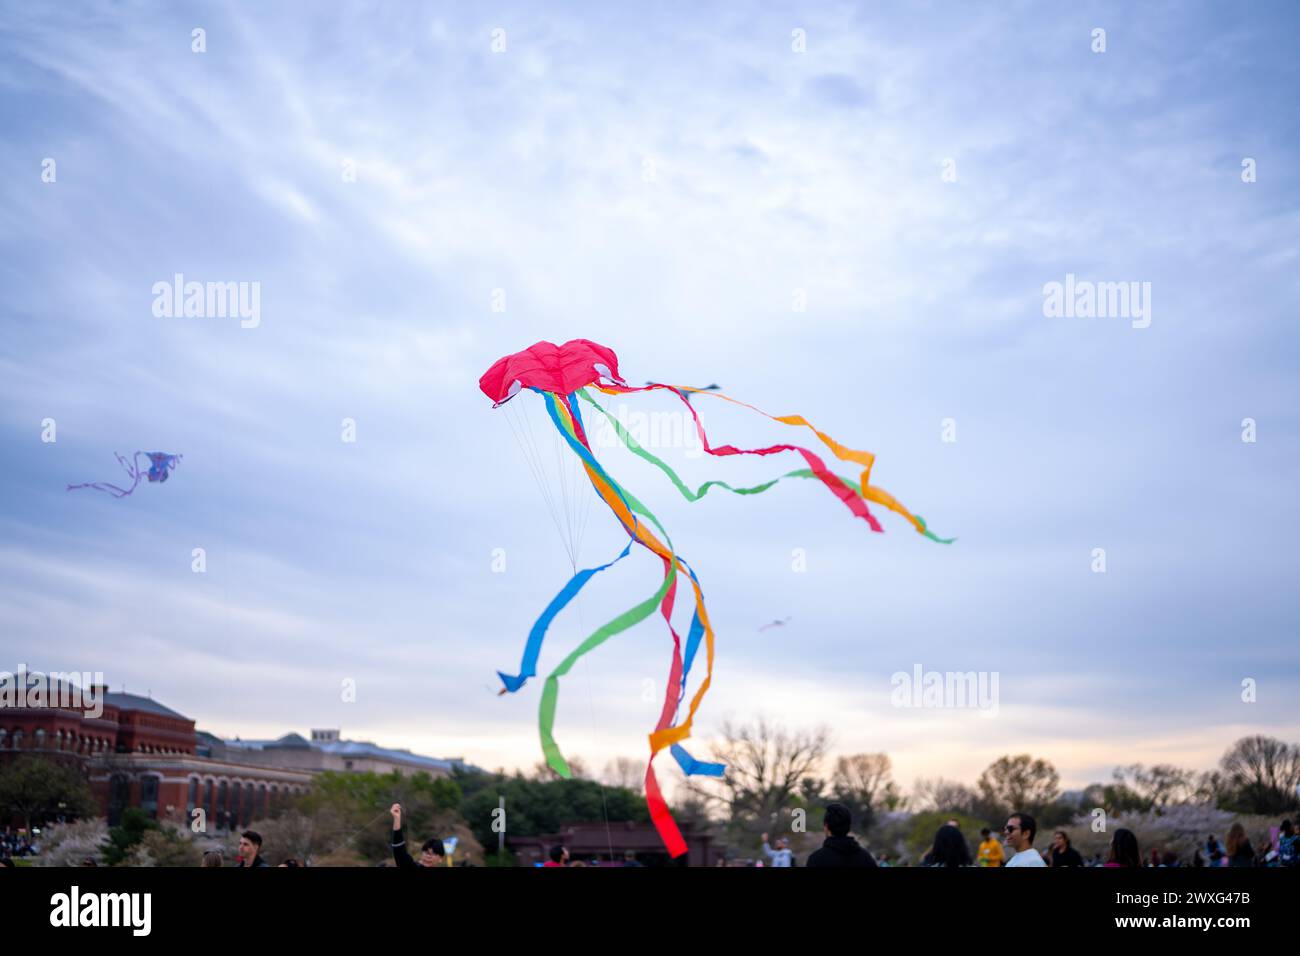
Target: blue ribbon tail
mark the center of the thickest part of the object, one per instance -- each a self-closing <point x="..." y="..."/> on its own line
<point x="696" y="768"/>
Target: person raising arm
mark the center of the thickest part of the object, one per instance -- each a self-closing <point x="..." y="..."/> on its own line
<point x="431" y="854"/>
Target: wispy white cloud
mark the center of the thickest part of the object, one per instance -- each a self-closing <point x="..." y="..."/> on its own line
<point x="666" y="183"/>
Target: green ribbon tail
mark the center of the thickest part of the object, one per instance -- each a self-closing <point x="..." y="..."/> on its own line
<point x="635" y="447"/>
<point x="551" y="690"/>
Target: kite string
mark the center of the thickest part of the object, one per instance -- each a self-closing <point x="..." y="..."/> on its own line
<point x="576" y="464"/>
<point x="368" y="824"/>
<point x="562" y="479"/>
<point x="562" y="513"/>
<point x="526" y="439"/>
<point x="522" y="431"/>
<point x="591" y="707"/>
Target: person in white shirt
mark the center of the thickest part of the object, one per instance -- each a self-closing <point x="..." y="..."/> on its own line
<point x="781" y="856"/>
<point x="1020" y="831"/>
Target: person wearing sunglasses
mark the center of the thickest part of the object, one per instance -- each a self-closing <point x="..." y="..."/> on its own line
<point x="1019" y="832"/>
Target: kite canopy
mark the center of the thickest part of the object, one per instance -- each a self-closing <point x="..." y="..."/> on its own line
<point x="562" y="369"/>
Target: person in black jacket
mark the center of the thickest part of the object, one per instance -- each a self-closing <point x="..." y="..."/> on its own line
<point x="431" y="854"/>
<point x="839" y="849"/>
<point x="250" y="849"/>
<point x="1062" y="853"/>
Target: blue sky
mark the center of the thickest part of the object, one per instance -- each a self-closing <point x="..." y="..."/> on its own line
<point x="665" y="183"/>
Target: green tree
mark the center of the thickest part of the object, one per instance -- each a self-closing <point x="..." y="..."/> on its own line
<point x="38" y="790"/>
<point x="534" y="806"/>
<point x="922" y="828"/>
<point x="1115" y="797"/>
<point x="165" y="846"/>
<point x="350" y="810"/>
<point x="864" y="783"/>
<point x="127" y="835"/>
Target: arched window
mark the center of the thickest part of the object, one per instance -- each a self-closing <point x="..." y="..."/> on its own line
<point x="223" y="802"/>
<point x="149" y="796"/>
<point x="192" y="800"/>
<point x="4" y="738"/>
<point x="119" y="791"/>
<point x="18" y="738"/>
<point x="38" y="739"/>
<point x="259" y="808"/>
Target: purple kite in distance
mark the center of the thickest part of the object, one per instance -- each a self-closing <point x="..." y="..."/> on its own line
<point x="160" y="464"/>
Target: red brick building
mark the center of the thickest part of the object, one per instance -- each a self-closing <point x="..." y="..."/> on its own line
<point x="137" y="752"/>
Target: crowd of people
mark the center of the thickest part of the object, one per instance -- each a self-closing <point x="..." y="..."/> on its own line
<point x="1014" y="847"/>
<point x="1123" y="851"/>
<point x="14" y="844"/>
<point x="249" y="855"/>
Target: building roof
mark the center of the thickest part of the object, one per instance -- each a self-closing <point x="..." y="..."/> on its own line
<point x="351" y="748"/>
<point x="364" y="748"/>
<point x="124" y="701"/>
<point x="119" y="699"/>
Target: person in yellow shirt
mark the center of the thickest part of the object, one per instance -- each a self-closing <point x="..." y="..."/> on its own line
<point x="990" y="853"/>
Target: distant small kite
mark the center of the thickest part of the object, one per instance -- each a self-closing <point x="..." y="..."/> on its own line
<point x="775" y="624"/>
<point x="160" y="464"/>
<point x="686" y="393"/>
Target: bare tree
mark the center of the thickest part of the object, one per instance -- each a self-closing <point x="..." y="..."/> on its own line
<point x="938" y="794"/>
<point x="1210" y="787"/>
<point x="766" y="765"/>
<point x="625" y="772"/>
<point x="577" y="767"/>
<point x="691" y="810"/>
<point x="1158" y="786"/>
<point x="1262" y="774"/>
<point x="1018" y="783"/>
